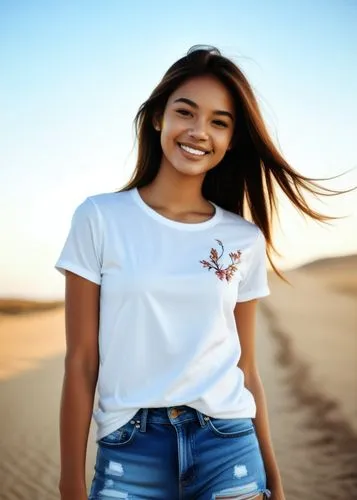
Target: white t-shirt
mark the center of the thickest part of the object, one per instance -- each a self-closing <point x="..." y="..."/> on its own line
<point x="167" y="333"/>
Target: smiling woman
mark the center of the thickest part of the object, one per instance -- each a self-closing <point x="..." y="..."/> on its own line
<point x="197" y="125"/>
<point x="162" y="282"/>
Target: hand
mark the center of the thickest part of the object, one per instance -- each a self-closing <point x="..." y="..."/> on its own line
<point x="73" y="492"/>
<point x="277" y="493"/>
<point x="74" y="496"/>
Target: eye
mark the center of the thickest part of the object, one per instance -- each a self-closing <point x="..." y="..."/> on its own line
<point x="220" y="123"/>
<point x="183" y="112"/>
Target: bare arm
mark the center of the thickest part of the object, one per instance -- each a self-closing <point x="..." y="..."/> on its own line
<point x="80" y="379"/>
<point x="245" y="316"/>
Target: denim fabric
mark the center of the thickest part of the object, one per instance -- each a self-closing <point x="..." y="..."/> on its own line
<point x="178" y="453"/>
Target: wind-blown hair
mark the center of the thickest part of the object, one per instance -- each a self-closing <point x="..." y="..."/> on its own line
<point x="246" y="178"/>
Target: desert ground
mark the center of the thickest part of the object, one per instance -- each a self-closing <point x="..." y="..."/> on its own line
<point x="307" y="354"/>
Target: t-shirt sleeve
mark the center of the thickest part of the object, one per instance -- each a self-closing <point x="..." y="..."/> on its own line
<point x="254" y="282"/>
<point x="82" y="250"/>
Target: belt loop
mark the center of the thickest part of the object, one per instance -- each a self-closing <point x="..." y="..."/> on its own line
<point x="203" y="419"/>
<point x="143" y="419"/>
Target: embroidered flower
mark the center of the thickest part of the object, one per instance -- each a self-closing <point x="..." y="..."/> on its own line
<point x="213" y="263"/>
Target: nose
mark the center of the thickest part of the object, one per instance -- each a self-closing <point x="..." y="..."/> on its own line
<point x="198" y="131"/>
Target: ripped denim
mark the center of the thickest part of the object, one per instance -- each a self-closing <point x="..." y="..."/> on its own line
<point x="178" y="453"/>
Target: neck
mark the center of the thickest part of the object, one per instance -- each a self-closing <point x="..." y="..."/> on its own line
<point x="176" y="192"/>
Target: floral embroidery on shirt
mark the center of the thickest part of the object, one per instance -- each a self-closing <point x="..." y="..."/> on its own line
<point x="221" y="272"/>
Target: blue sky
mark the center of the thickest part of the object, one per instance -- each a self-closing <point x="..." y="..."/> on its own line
<point x="75" y="72"/>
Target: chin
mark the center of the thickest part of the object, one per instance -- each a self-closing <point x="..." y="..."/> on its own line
<point x="191" y="171"/>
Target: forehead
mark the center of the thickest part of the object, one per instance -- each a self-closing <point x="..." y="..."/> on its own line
<point x="206" y="91"/>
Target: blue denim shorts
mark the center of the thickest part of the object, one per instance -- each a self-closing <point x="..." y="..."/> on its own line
<point x="178" y="453"/>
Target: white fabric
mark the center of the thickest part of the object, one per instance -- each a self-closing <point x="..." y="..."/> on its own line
<point x="167" y="333"/>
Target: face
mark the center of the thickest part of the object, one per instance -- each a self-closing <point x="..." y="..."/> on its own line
<point x="197" y="126"/>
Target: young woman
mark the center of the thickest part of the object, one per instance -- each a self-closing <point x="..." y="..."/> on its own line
<point x="162" y="283"/>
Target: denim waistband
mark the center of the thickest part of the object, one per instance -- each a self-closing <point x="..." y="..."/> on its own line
<point x="168" y="415"/>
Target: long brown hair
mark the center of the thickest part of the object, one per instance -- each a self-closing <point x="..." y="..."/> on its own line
<point x="246" y="178"/>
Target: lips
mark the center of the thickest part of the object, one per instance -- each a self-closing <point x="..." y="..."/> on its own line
<point x="193" y="149"/>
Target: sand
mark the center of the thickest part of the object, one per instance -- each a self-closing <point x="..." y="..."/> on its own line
<point x="306" y="347"/>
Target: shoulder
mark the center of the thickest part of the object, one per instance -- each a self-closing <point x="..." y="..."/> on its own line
<point x="100" y="207"/>
<point x="247" y="230"/>
<point x="103" y="201"/>
<point x="104" y="205"/>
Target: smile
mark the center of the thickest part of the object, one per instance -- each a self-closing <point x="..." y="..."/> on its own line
<point x="196" y="152"/>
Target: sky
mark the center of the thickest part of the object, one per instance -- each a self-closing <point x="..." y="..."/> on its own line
<point x="75" y="72"/>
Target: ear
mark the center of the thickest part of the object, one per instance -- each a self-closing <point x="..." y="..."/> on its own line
<point x="156" y="121"/>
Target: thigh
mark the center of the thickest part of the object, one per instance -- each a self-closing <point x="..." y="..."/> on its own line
<point x="137" y="465"/>
<point x="229" y="461"/>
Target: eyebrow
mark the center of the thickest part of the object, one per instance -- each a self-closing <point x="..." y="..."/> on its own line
<point x="194" y="105"/>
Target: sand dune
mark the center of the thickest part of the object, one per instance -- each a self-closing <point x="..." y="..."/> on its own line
<point x="338" y="274"/>
<point x="322" y="326"/>
<point x="306" y="347"/>
<point x="27" y="339"/>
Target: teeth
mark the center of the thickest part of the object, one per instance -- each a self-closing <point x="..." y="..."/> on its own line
<point x="192" y="151"/>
